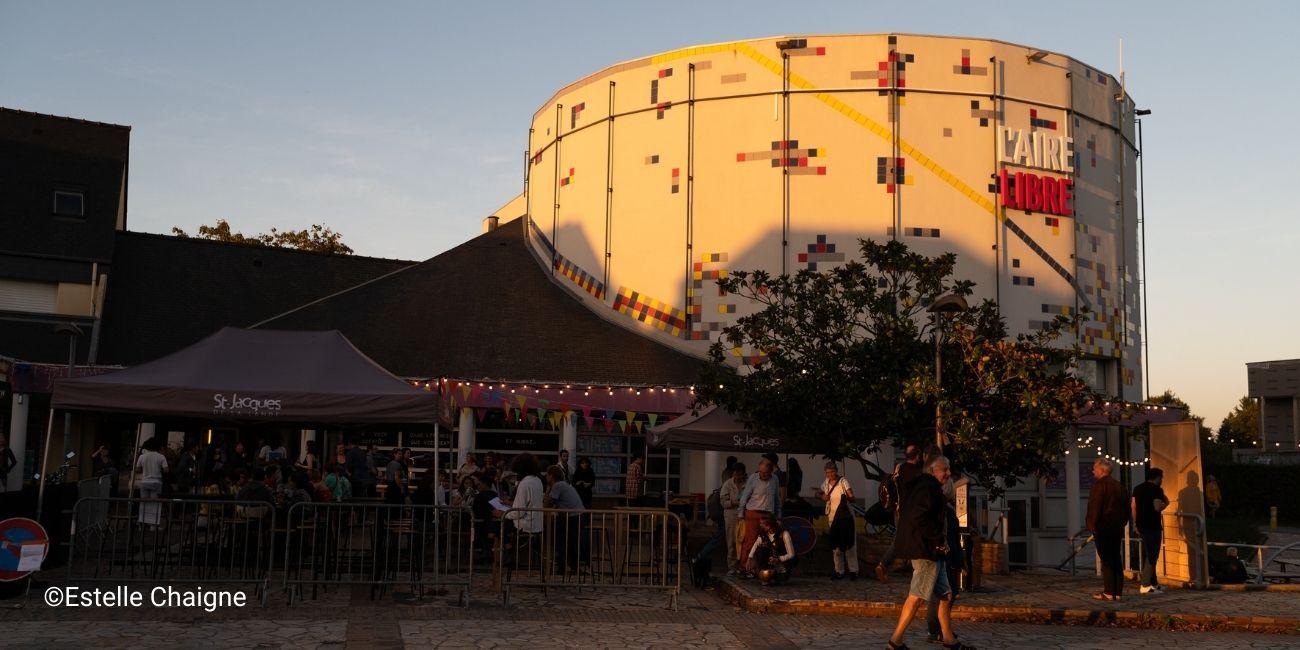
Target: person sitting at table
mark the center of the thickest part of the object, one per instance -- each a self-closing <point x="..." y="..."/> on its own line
<point x="485" y="527"/>
<point x="469" y="468"/>
<point x="320" y="492"/>
<point x="252" y="487"/>
<point x="464" y="496"/>
<point x="773" y="550"/>
<point x="338" y="483"/>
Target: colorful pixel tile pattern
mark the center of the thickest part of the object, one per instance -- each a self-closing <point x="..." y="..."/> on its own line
<point x="586" y="281"/>
<point x="915" y="232"/>
<point x="1036" y="122"/>
<point x="820" y="251"/>
<point x="574" y="112"/>
<point x="888" y="175"/>
<point x="983" y="114"/>
<point x="655" y="313"/>
<point x="709" y="268"/>
<point x="567" y="180"/>
<point x="964" y="67"/>
<point x="786" y="153"/>
<point x="677" y="175"/>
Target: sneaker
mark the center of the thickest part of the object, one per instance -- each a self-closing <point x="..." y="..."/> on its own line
<point x="837" y="576"/>
<point x="1147" y="590"/>
<point x="934" y="638"/>
<point x="732" y="573"/>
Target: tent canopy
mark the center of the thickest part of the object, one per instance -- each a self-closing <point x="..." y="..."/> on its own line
<point x="257" y="376"/>
<point x="714" y="428"/>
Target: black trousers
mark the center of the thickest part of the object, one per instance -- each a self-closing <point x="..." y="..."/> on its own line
<point x="1151" y="540"/>
<point x="1110" y="549"/>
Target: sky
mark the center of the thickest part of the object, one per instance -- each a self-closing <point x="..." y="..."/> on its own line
<point x="402" y="124"/>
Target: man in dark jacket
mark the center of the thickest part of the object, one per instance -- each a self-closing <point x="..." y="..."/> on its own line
<point x="1107" y="516"/>
<point x="921" y="538"/>
<point x="905" y="473"/>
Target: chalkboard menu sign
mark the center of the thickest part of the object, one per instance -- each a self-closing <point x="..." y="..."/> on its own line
<point x="607" y="466"/>
<point x="517" y="441"/>
<point x="376" y="438"/>
<point x="424" y="439"/>
<point x="601" y="445"/>
<point x="608" y="486"/>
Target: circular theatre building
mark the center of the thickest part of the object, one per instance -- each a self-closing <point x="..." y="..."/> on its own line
<point x="649" y="179"/>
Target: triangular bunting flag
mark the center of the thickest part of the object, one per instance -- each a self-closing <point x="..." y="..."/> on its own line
<point x="652" y="417"/>
<point x="609" y="425"/>
<point x="622" y="426"/>
<point x="631" y="416"/>
<point x="638" y="426"/>
<point x="522" y="400"/>
<point x="481" y="413"/>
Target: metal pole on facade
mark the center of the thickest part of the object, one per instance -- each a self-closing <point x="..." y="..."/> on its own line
<point x="45" y="461"/>
<point x="72" y="332"/>
<point x="1142" y="223"/>
<point x="949" y="303"/>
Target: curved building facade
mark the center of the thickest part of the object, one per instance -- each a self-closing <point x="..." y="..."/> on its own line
<point x="649" y="179"/>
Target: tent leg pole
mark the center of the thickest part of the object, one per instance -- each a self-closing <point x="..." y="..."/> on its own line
<point x="40" y="491"/>
<point x="437" y="448"/>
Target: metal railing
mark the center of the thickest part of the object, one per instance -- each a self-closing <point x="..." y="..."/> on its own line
<point x="1196" y="551"/>
<point x="1290" y="566"/>
<point x="564" y="549"/>
<point x="172" y="541"/>
<point x="423" y="547"/>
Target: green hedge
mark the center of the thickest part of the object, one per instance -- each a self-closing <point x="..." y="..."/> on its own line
<point x="1249" y="491"/>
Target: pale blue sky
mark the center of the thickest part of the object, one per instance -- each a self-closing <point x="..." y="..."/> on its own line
<point x="402" y="124"/>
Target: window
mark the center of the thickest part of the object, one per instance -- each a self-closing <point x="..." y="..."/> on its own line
<point x="69" y="204"/>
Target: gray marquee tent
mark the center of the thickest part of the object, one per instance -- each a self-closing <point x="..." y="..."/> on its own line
<point x="713" y="428"/>
<point x="249" y="375"/>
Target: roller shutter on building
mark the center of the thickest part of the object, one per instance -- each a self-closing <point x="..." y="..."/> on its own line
<point x="27" y="296"/>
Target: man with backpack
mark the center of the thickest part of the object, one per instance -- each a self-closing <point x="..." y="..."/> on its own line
<point x="701" y="565"/>
<point x="905" y="473"/>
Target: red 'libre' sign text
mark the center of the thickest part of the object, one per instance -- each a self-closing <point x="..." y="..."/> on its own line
<point x="1034" y="193"/>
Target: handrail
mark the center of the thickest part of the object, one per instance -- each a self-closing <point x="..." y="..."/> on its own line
<point x="1203" y="580"/>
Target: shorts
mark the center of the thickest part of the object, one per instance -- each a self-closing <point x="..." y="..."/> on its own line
<point x="929" y="578"/>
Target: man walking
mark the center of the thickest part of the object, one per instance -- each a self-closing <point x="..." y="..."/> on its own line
<point x="1148" y="502"/>
<point x="904" y="474"/>
<point x="760" y="499"/>
<point x="1107" y="515"/>
<point x="921" y="539"/>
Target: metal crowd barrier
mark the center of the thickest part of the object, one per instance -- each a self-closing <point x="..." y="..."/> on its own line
<point x="427" y="548"/>
<point x="566" y="549"/>
<point x="172" y="541"/>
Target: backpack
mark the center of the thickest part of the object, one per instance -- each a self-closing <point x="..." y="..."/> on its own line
<point x="713" y="505"/>
<point x="888" y="494"/>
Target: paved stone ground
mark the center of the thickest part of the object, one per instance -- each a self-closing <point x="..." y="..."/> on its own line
<point x="348" y="617"/>
<point x="1054" y="591"/>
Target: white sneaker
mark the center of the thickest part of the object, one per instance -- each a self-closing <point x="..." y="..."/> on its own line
<point x="1151" y="590"/>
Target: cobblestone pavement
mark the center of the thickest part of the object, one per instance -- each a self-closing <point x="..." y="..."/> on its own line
<point x="1055" y="591"/>
<point x="348" y="617"/>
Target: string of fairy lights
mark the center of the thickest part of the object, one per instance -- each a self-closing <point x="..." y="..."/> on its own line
<point x="430" y="384"/>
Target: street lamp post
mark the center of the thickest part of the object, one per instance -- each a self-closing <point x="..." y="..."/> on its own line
<point x="949" y="303"/>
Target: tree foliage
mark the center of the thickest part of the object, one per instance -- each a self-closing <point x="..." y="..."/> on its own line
<point x="848" y="361"/>
<point x="1241" y="426"/>
<point x="318" y="238"/>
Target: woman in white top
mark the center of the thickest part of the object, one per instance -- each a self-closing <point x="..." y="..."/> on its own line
<point x="151" y="465"/>
<point x="837" y="493"/>
<point x="527" y="501"/>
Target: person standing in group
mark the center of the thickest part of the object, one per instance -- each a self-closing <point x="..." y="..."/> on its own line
<point x="920" y="538"/>
<point x="761" y="498"/>
<point x="896" y="489"/>
<point x="526" y="504"/>
<point x="1107" y="516"/>
<point x="714" y="512"/>
<point x="151" y="465"/>
<point x="584" y="480"/>
<point x="953" y="562"/>
<point x="395" y="478"/>
<point x="356" y="466"/>
<point x="633" y="482"/>
<point x="7" y="462"/>
<point x="1148" y="502"/>
<point x="1213" y="495"/>
<point x="729" y="495"/>
<point x="468" y="468"/>
<point x="838" y="494"/>
<point x="563" y="463"/>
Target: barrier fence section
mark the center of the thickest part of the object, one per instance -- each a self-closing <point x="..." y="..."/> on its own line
<point x="571" y="549"/>
<point x="424" y="547"/>
<point x="172" y="542"/>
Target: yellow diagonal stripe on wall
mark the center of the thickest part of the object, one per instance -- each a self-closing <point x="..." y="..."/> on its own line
<point x="880" y="130"/>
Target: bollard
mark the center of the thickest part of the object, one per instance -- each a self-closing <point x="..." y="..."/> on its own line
<point x="1272" y="518"/>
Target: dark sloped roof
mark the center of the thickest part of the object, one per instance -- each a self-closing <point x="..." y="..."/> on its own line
<point x="487" y="310"/>
<point x="165" y="293"/>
